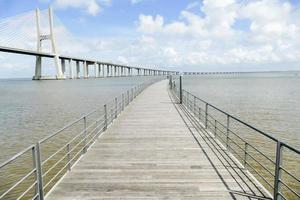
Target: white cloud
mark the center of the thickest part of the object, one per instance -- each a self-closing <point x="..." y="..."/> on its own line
<point x="149" y="24"/>
<point x="211" y="38"/>
<point x="205" y="42"/>
<point x="91" y="7"/>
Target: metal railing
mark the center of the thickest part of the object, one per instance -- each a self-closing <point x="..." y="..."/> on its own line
<point x="274" y="163"/>
<point x="32" y="173"/>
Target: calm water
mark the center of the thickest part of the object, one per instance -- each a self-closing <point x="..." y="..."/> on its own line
<point x="269" y="101"/>
<point x="31" y="110"/>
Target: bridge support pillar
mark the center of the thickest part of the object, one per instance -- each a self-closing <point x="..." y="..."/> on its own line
<point x="38" y="68"/>
<point x="63" y="67"/>
<point x="103" y="74"/>
<point x="85" y="70"/>
<point x="77" y="69"/>
<point x="99" y="70"/>
<point x="71" y="69"/>
<point x="95" y="70"/>
<point x="109" y="70"/>
<point x="40" y="38"/>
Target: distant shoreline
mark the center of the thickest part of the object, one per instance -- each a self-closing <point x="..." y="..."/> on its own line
<point x="211" y="73"/>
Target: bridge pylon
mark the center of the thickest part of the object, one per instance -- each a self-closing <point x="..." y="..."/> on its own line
<point x="40" y="38"/>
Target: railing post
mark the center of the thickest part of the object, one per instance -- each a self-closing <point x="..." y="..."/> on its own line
<point x="132" y="94"/>
<point x="69" y="157"/>
<point x="105" y="117"/>
<point x="227" y="132"/>
<point x="206" y="114"/>
<point x="39" y="174"/>
<point x="215" y="128"/>
<point x="85" y="133"/>
<point x="34" y="167"/>
<point x="111" y="115"/>
<point x="116" y="107"/>
<point x="187" y="99"/>
<point x="194" y="105"/>
<point x="127" y="97"/>
<point x="277" y="171"/>
<point x="180" y="89"/>
<point x="123" y="101"/>
<point x="245" y="155"/>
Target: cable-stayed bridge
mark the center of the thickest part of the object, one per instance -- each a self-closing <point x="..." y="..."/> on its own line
<point x="153" y="141"/>
<point x="33" y="34"/>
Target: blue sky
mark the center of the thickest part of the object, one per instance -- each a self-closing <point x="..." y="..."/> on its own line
<point x="189" y="35"/>
<point x="118" y="14"/>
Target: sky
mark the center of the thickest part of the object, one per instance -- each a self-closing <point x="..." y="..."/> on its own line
<point x="185" y="35"/>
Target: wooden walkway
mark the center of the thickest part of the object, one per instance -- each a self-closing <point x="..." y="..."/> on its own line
<point x="154" y="150"/>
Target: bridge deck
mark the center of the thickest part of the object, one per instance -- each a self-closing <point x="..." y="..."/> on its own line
<point x="154" y="151"/>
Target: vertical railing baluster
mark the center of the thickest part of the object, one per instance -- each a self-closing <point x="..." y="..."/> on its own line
<point x="206" y="114"/>
<point x="111" y="115"/>
<point x="85" y="134"/>
<point x="105" y="117"/>
<point x="215" y="128"/>
<point x="69" y="157"/>
<point x="194" y="110"/>
<point x="277" y="171"/>
<point x="227" y="131"/>
<point x="35" y="168"/>
<point x="188" y="100"/>
<point x="39" y="171"/>
<point x="127" y="97"/>
<point x="245" y="154"/>
<point x="116" y="107"/>
<point x="123" y="99"/>
<point x="180" y="89"/>
<point x="131" y="94"/>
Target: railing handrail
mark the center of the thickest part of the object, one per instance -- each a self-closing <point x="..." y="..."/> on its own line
<point x="190" y="102"/>
<point x="16" y="156"/>
<point x="246" y="124"/>
<point x="87" y="136"/>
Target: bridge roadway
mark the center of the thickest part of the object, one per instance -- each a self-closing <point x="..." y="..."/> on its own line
<point x="154" y="150"/>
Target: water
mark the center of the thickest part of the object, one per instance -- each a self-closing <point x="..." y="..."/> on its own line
<point x="268" y="101"/>
<point x="31" y="110"/>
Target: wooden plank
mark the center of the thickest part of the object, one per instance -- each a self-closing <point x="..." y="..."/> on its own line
<point x="150" y="153"/>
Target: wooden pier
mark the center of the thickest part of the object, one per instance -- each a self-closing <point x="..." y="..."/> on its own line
<point x="153" y="150"/>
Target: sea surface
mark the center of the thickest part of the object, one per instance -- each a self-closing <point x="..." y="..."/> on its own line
<point x="31" y="110"/>
<point x="268" y="101"/>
